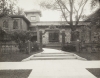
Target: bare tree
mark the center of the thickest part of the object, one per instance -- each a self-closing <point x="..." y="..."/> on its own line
<point x="69" y="9"/>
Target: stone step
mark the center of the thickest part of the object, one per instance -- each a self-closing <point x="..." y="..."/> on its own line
<point x="56" y="53"/>
<point x="53" y="55"/>
<point x="53" y="58"/>
<point x="54" y="47"/>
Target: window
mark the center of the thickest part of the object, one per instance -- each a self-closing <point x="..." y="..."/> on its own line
<point x="33" y="18"/>
<point x="5" y="24"/>
<point x="15" y="24"/>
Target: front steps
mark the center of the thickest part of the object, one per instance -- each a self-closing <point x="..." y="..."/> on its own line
<point x="54" y="56"/>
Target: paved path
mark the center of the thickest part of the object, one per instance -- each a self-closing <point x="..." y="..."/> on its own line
<point x="48" y="65"/>
<point x="52" y="54"/>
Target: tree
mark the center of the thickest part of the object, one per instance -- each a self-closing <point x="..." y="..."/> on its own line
<point x="69" y="9"/>
<point x="95" y="3"/>
<point x="20" y="37"/>
<point x="9" y="7"/>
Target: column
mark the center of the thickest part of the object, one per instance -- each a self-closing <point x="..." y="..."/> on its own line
<point x="38" y="37"/>
<point x="29" y="47"/>
<point x="40" y="32"/>
<point x="63" y="38"/>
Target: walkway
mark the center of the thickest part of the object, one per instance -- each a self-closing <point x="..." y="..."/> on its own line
<point x="54" y="64"/>
<point x="53" y="54"/>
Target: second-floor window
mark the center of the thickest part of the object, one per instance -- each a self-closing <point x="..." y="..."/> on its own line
<point x="33" y="18"/>
<point x="15" y="24"/>
<point x="5" y="24"/>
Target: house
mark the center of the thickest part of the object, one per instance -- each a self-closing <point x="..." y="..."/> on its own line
<point x="14" y="22"/>
<point x="50" y="33"/>
<point x="10" y="24"/>
<point x="52" y="30"/>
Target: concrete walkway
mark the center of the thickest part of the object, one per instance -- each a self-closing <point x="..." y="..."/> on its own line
<point x="53" y="54"/>
<point x="50" y="64"/>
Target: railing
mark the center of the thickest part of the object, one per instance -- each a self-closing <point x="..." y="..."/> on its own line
<point x="8" y="48"/>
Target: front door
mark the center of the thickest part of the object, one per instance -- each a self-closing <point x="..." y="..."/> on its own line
<point x="53" y="36"/>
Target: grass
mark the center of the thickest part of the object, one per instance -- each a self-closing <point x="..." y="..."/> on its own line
<point x="95" y="71"/>
<point x="15" y="57"/>
<point x="14" y="73"/>
<point x="89" y="56"/>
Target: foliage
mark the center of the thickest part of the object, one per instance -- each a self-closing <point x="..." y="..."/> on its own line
<point x="20" y="37"/>
<point x="70" y="48"/>
<point x="94" y="3"/>
<point x="35" y="46"/>
<point x="2" y="34"/>
<point x="95" y="18"/>
<point x="9" y="7"/>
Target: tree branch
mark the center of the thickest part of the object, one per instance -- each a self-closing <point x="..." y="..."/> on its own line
<point x="80" y="5"/>
<point x="81" y="12"/>
<point x="63" y="12"/>
<point x="64" y="5"/>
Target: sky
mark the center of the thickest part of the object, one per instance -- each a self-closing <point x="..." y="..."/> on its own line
<point x="47" y="15"/>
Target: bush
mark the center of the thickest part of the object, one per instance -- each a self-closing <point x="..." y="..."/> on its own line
<point x="22" y="47"/>
<point x="69" y="48"/>
<point x="35" y="46"/>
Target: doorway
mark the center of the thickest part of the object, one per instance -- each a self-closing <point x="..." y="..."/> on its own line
<point x="53" y="36"/>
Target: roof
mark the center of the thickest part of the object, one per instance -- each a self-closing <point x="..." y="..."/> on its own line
<point x="33" y="11"/>
<point x="44" y="23"/>
<point x="20" y="16"/>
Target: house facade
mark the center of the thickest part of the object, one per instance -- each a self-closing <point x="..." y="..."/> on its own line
<point x="14" y="22"/>
<point x="53" y="33"/>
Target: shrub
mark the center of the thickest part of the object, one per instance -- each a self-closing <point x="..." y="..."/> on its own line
<point x="69" y="48"/>
<point x="35" y="46"/>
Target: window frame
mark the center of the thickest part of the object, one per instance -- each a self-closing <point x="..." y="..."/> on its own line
<point x="5" y="24"/>
<point x="33" y="18"/>
<point x="15" y="24"/>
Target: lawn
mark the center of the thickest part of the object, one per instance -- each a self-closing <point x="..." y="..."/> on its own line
<point x="89" y="56"/>
<point x="14" y="73"/>
<point x="15" y="57"/>
<point x="95" y="71"/>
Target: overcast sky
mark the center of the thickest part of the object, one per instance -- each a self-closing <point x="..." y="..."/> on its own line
<point x="47" y="15"/>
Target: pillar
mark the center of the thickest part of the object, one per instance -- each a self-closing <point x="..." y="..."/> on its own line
<point x="63" y="38"/>
<point x="29" y="47"/>
<point x="38" y="37"/>
<point x="40" y="32"/>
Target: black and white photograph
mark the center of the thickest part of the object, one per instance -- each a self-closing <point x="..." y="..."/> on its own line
<point x="49" y="38"/>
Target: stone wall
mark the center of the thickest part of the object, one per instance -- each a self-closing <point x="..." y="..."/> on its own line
<point x="24" y="25"/>
<point x="45" y="38"/>
<point x="80" y="30"/>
